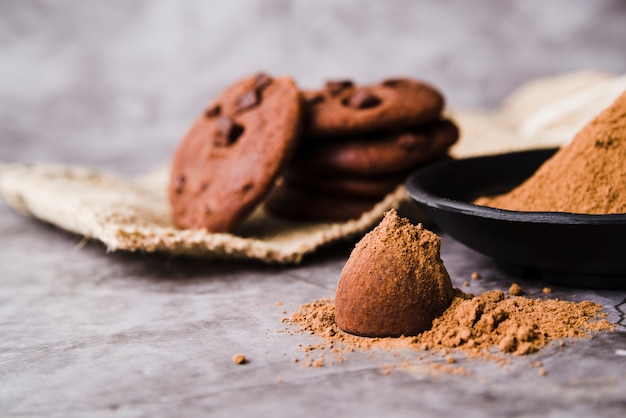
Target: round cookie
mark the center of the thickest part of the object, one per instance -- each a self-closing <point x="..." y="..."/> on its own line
<point x="356" y="187"/>
<point x="375" y="155"/>
<point x="232" y="155"/>
<point x="343" y="108"/>
<point x="291" y="202"/>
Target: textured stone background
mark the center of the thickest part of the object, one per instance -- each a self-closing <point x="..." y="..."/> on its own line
<point x="116" y="84"/>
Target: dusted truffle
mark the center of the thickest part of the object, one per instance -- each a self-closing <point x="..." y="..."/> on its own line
<point x="394" y="282"/>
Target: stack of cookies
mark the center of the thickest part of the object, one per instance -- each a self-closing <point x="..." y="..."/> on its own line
<point x="358" y="144"/>
<point x="318" y="155"/>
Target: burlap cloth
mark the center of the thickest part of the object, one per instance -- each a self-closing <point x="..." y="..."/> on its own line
<point x="133" y="214"/>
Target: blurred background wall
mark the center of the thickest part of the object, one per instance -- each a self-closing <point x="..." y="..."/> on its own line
<point x="116" y="84"/>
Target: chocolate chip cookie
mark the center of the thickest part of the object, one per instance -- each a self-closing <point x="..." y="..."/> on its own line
<point x="348" y="186"/>
<point x="232" y="155"/>
<point x="305" y="204"/>
<point x="343" y="108"/>
<point x="380" y="154"/>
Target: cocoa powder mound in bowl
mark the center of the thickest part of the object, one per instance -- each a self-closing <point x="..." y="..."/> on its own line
<point x="565" y="248"/>
<point x="587" y="176"/>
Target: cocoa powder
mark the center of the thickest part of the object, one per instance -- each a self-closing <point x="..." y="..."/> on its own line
<point x="587" y="176"/>
<point x="479" y="326"/>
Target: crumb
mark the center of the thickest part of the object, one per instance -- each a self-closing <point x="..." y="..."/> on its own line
<point x="459" y="371"/>
<point x="240" y="359"/>
<point x="279" y="380"/>
<point x="542" y="372"/>
<point x="387" y="369"/>
<point x="547" y="290"/>
<point x="515" y="289"/>
<point x="466" y="283"/>
<point x="561" y="343"/>
<point x="450" y="360"/>
<point x="475" y="276"/>
<point x="537" y="364"/>
<point x="278" y="303"/>
<point x="295" y="360"/>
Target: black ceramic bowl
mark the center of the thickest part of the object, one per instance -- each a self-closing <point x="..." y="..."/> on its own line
<point x="567" y="249"/>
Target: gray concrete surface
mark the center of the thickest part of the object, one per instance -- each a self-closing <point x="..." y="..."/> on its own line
<point x="115" y="84"/>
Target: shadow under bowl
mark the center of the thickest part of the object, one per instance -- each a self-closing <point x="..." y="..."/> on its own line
<point x="567" y="249"/>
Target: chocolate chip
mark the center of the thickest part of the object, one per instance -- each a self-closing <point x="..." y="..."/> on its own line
<point x="262" y="80"/>
<point x="247" y="101"/>
<point x="180" y="184"/>
<point x="363" y="99"/>
<point x="213" y="111"/>
<point x="394" y="82"/>
<point x="334" y="87"/>
<point x="247" y="187"/>
<point x="227" y="132"/>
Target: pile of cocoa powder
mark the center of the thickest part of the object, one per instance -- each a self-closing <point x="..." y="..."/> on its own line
<point x="587" y="176"/>
<point x="480" y="326"/>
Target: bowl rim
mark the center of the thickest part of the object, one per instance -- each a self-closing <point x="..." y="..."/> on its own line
<point x="418" y="193"/>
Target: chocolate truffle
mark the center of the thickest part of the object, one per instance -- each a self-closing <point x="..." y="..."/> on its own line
<point x="394" y="282"/>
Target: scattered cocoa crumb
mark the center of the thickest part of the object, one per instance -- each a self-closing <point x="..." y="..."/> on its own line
<point x="547" y="290"/>
<point x="278" y="303"/>
<point x="450" y="360"/>
<point x="450" y="370"/>
<point x="475" y="276"/>
<point x="515" y="289"/>
<point x="474" y="324"/>
<point x="240" y="359"/>
<point x="466" y="283"/>
<point x="279" y="380"/>
<point x="542" y="372"/>
<point x="537" y="364"/>
<point x="295" y="360"/>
